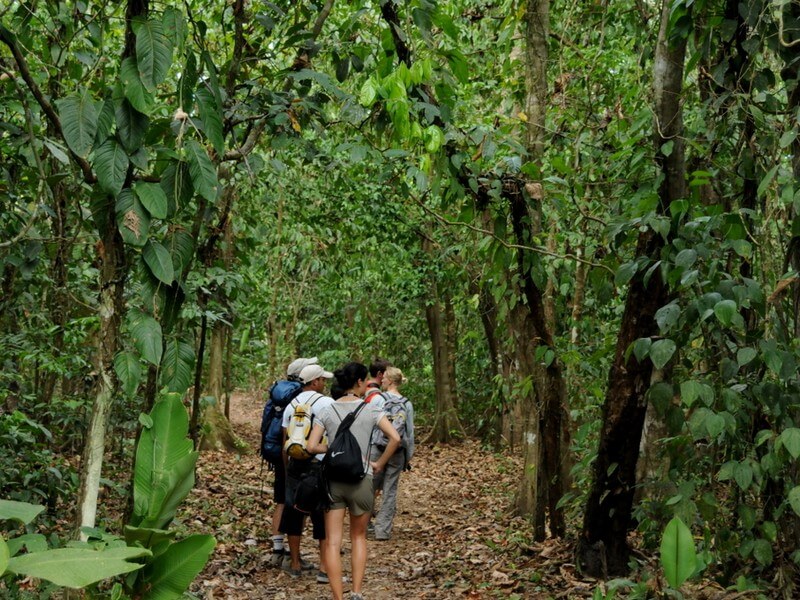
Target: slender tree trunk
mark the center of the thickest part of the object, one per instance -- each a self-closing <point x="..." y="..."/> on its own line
<point x="603" y="547"/>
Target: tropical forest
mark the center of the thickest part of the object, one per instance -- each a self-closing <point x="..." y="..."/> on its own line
<point x="573" y="225"/>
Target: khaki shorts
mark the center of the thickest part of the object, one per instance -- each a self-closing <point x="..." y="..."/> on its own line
<point x="358" y="498"/>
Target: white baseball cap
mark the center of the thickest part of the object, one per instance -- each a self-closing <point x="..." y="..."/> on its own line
<point x="298" y="365"/>
<point x="312" y="372"/>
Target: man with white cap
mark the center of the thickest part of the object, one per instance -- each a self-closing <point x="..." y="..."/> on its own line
<point x="292" y="374"/>
<point x="312" y="377"/>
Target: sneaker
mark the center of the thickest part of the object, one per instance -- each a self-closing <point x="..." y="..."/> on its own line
<point x="322" y="577"/>
<point x="304" y="564"/>
<point x="276" y="560"/>
<point x="356" y="597"/>
<point x="293" y="573"/>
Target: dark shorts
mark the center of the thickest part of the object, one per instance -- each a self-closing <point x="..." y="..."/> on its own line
<point x="279" y="486"/>
<point x="292" y="520"/>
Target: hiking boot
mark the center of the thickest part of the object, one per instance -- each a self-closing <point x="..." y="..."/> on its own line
<point x="322" y="577"/>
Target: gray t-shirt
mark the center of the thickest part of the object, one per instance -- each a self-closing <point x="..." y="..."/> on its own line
<point x="362" y="427"/>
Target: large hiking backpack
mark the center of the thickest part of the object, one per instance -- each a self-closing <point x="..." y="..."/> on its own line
<point x="396" y="410"/>
<point x="300" y="428"/>
<point x="343" y="461"/>
<point x="281" y="393"/>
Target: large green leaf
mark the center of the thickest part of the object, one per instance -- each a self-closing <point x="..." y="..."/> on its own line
<point x="133" y="220"/>
<point x="111" y="166"/>
<point x="133" y="88"/>
<point x="661" y="352"/>
<point x="169" y="490"/>
<point x="201" y="170"/>
<point x="32" y="542"/>
<point x="725" y="310"/>
<point x="157" y="258"/>
<point x="161" y="449"/>
<point x="791" y="441"/>
<point x="77" y="567"/>
<point x="129" y="372"/>
<point x="177" y="368"/>
<point x="678" y="554"/>
<point x="152" y="198"/>
<point x="4" y="555"/>
<point x="19" y="511"/>
<point x="168" y="576"/>
<point x="211" y="117"/>
<point x="132" y="124"/>
<point x="78" y="116"/>
<point x="181" y="247"/>
<point x="146" y="334"/>
<point x="794" y="499"/>
<point x="153" y="52"/>
<point x="147" y="537"/>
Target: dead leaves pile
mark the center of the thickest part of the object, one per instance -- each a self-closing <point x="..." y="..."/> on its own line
<point x="454" y="536"/>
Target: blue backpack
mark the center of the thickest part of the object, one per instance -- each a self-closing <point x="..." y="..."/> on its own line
<point x="281" y="393"/>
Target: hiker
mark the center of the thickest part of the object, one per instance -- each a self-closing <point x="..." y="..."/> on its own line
<point x="400" y="413"/>
<point x="355" y="498"/>
<point x="376" y="373"/>
<point x="280" y="394"/>
<point x="300" y="461"/>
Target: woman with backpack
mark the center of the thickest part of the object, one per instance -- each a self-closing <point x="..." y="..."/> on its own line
<point x="400" y="413"/>
<point x="356" y="496"/>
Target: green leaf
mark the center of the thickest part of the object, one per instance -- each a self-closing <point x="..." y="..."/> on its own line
<point x="153" y="52"/>
<point x="177" y="369"/>
<point x="764" y="184"/>
<point x="132" y="87"/>
<point x="160" y="262"/>
<point x="146" y="537"/>
<point x="714" y="424"/>
<point x="201" y="170"/>
<point x="111" y="166"/>
<point x="641" y="348"/>
<point x="181" y="246"/>
<point x="745" y="355"/>
<point x="164" y="468"/>
<point x="725" y="309"/>
<point x="146" y="336"/>
<point x="5" y="554"/>
<point x="133" y="220"/>
<point x="129" y="372"/>
<point x="211" y="117"/>
<point x="32" y="542"/>
<point x="78" y="116"/>
<point x="131" y="124"/>
<point x="762" y="551"/>
<point x="661" y="352"/>
<point x="77" y="567"/>
<point x="152" y="197"/>
<point x="625" y="272"/>
<point x="743" y="475"/>
<point x="11" y="510"/>
<point x="690" y="391"/>
<point x="678" y="554"/>
<point x="170" y="574"/>
<point x="685" y="258"/>
<point x="794" y="499"/>
<point x="791" y="441"/>
<point x="667" y="317"/>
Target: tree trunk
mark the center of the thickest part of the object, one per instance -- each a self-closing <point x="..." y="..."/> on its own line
<point x="440" y="317"/>
<point x="603" y="548"/>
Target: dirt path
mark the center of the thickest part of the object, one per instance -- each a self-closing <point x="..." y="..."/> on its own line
<point x="452" y="539"/>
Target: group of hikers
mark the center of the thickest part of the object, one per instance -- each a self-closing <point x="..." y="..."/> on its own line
<point x="334" y="455"/>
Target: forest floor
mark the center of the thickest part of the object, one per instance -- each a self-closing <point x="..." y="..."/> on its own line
<point x="454" y="534"/>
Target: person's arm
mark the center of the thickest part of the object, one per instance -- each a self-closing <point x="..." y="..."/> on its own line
<point x="409" y="431"/>
<point x="391" y="447"/>
<point x="315" y="445"/>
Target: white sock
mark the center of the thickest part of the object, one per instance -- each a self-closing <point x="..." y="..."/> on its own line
<point x="277" y="543"/>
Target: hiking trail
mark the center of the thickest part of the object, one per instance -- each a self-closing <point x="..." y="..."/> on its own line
<point x="452" y="534"/>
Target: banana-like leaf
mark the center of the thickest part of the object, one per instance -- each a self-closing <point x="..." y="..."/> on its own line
<point x="33" y="542"/>
<point x="169" y="490"/>
<point x="201" y="170"/>
<point x="77" y="567"/>
<point x="19" y="511"/>
<point x="5" y="555"/>
<point x="79" y="122"/>
<point x="678" y="554"/>
<point x="147" y="537"/>
<point x="168" y="576"/>
<point x="161" y="448"/>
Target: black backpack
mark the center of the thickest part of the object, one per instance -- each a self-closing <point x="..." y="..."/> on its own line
<point x="343" y="461"/>
<point x="280" y="395"/>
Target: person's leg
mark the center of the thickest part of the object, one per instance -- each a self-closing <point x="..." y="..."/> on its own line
<point x="391" y="478"/>
<point x="358" y="543"/>
<point x="334" y="524"/>
<point x="280" y="499"/>
<point x="292" y="527"/>
<point x="318" y="522"/>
